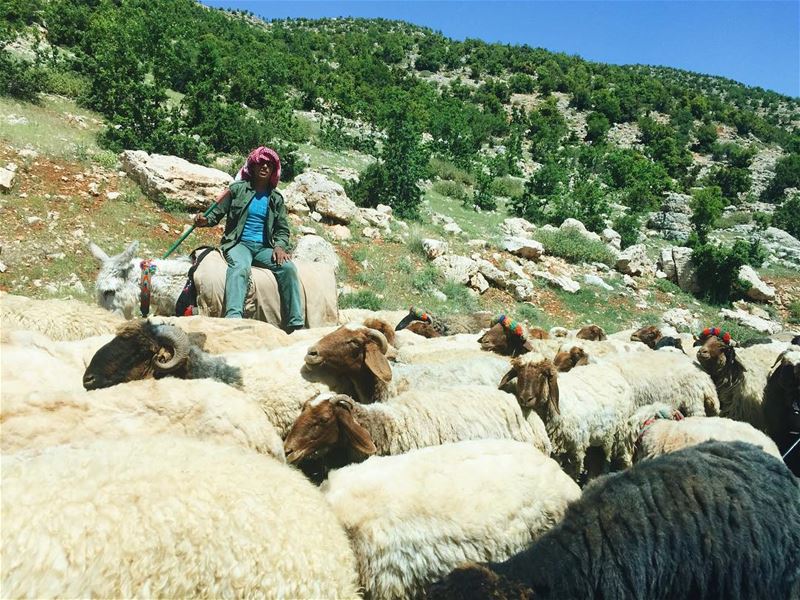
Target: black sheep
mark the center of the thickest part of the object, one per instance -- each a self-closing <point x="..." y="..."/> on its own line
<point x="717" y="520"/>
<point x="671" y="342"/>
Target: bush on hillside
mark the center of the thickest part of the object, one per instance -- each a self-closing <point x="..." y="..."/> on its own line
<point x="452" y="189"/>
<point x="574" y="247"/>
<point x="787" y="216"/>
<point x="718" y="269"/>
<point x="787" y="175"/>
<point x="627" y="226"/>
<point x="706" y="205"/>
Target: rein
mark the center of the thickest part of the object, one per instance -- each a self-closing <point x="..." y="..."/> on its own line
<point x="145" y="286"/>
<point x="675" y="416"/>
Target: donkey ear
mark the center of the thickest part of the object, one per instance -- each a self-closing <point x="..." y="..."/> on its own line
<point x="377" y="363"/>
<point x="552" y="386"/>
<point x="131" y="250"/>
<point x="359" y="438"/>
<point x="98" y="252"/>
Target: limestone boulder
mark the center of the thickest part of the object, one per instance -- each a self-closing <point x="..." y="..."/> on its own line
<point x="162" y="177"/>
<point x="517" y="227"/>
<point x="323" y="196"/>
<point x="434" y="248"/>
<point x="754" y="322"/>
<point x="634" y="261"/>
<point x="456" y="268"/>
<point x="759" y="291"/>
<point x="522" y="247"/>
<point x="313" y="248"/>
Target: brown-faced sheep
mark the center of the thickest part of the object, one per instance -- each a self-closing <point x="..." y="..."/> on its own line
<point x="740" y="375"/>
<point x="566" y="361"/>
<point x="450" y="325"/>
<point x="594" y="333"/>
<point x="647" y="335"/>
<point x="333" y="431"/>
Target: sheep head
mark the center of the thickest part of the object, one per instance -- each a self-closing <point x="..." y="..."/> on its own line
<point x="357" y="352"/>
<point x="718" y="358"/>
<point x="565" y="361"/>
<point x="116" y="286"/>
<point x="505" y="337"/>
<point x="474" y="580"/>
<point x="537" y="333"/>
<point x="594" y="333"/>
<point x="325" y="423"/>
<point x="647" y="335"/>
<point x="537" y="384"/>
<point x="426" y="330"/>
<point x="140" y="350"/>
<point x="383" y="327"/>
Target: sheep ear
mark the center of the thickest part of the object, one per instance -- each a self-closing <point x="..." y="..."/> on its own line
<point x="507" y="378"/>
<point x="356" y="434"/>
<point x="552" y="386"/>
<point x="377" y="363"/>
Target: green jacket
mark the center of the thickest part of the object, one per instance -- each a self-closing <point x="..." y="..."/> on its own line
<point x="235" y="205"/>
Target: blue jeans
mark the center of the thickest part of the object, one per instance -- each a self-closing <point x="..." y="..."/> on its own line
<point x="240" y="258"/>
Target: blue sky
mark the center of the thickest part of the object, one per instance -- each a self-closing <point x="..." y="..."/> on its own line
<point x="755" y="42"/>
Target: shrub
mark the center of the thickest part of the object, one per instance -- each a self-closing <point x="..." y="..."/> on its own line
<point x="19" y="78"/>
<point x="361" y="299"/>
<point x="706" y="205"/>
<point x="718" y="269"/>
<point x="482" y="197"/>
<point x="787" y="216"/>
<point x="627" y="226"/>
<point x="706" y="137"/>
<point x="446" y="170"/>
<point x="787" y="174"/>
<point x="731" y="180"/>
<point x="597" y="127"/>
<point x="794" y="313"/>
<point x="452" y="189"/>
<point x="507" y="186"/>
<point x="585" y="202"/>
<point x="425" y="279"/>
<point x="64" y="83"/>
<point x="574" y="247"/>
<point x="368" y="190"/>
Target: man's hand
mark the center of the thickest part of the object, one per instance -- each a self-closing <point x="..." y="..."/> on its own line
<point x="280" y="256"/>
<point x="200" y="220"/>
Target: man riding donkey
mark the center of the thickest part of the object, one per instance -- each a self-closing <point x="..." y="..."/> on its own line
<point x="256" y="233"/>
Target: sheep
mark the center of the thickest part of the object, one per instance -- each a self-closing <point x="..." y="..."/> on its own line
<point x="566" y="361"/>
<point x="581" y="409"/>
<point x="413" y="518"/>
<point x="57" y="319"/>
<point x="277" y="379"/>
<point x="31" y="360"/>
<point x="167" y="517"/>
<point x="119" y="281"/>
<point x="202" y="409"/>
<point x="333" y="431"/>
<point x="218" y="336"/>
<point x="716" y="521"/>
<point x="781" y="406"/>
<point x="657" y="429"/>
<point x="423" y="329"/>
<point x="667" y="377"/>
<point x="594" y="333"/>
<point x="451" y="325"/>
<point x="647" y="335"/>
<point x="359" y="353"/>
<point x="510" y="338"/>
<point x="668" y="342"/>
<point x="740" y="375"/>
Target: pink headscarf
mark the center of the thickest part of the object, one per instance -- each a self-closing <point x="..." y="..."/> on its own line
<point x="261" y="155"/>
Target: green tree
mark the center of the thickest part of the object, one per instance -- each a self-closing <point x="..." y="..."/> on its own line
<point x="787" y="216"/>
<point x="706" y="205"/>
<point x="597" y="127"/>
<point x="731" y="180"/>
<point x="787" y="174"/>
<point x="706" y="137"/>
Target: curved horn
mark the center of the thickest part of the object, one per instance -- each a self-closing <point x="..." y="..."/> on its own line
<point x="175" y="337"/>
<point x="380" y="338"/>
<point x="344" y="402"/>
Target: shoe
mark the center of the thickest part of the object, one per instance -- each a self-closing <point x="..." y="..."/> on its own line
<point x="292" y="328"/>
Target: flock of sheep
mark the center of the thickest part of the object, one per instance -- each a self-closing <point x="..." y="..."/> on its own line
<point x="464" y="458"/>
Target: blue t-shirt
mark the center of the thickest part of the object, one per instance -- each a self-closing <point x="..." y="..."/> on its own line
<point x="256" y="216"/>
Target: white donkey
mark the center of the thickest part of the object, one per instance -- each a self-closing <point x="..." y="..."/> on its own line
<point x="118" y="283"/>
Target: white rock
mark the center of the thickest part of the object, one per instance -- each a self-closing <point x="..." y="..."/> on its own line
<point x="456" y="268"/>
<point x="560" y="281"/>
<point x="439" y="295"/>
<point x="6" y="179"/>
<point x="478" y="282"/>
<point x="113" y="195"/>
<point x="634" y="261"/>
<point x="522" y="247"/>
<point x="596" y="281"/>
<point x="315" y="216"/>
<point x="752" y="321"/>
<point x="578" y="226"/>
<point x="612" y="238"/>
<point x="164" y="226"/>
<point x="630" y="282"/>
<point x="32" y="220"/>
<point x="495" y="276"/>
<point x="452" y="228"/>
<point x="340" y="232"/>
<point x="11" y="167"/>
<point x="517" y="227"/>
<point x="759" y="290"/>
<point x="385" y="209"/>
<point x="192" y="186"/>
<point x="372" y="216"/>
<point x="306" y="230"/>
<point x="685" y="269"/>
<point x="514" y="268"/>
<point x="434" y="248"/>
<point x="681" y="319"/>
<point x="94" y="189"/>
<point x="521" y="289"/>
<point x="371" y="232"/>
<point x="313" y="248"/>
